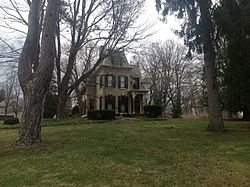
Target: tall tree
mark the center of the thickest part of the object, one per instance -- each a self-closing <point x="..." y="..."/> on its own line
<point x="232" y="19"/>
<point x="36" y="67"/>
<point x="198" y="31"/>
<point x="166" y="67"/>
<point x="106" y="23"/>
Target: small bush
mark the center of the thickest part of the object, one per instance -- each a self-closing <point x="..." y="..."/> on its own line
<point x="101" y="115"/>
<point x="152" y="111"/>
<point x="11" y="121"/>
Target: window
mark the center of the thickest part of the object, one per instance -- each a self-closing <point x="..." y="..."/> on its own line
<point x="122" y="104"/>
<point x="110" y="102"/>
<point x="135" y="83"/>
<point x="110" y="107"/>
<point x="123" y="82"/>
<point x="123" y="109"/>
<point x="110" y="81"/>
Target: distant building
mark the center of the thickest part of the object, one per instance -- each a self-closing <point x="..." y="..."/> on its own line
<point x="116" y="85"/>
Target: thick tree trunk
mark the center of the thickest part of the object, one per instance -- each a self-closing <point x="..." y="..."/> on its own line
<point x="64" y="84"/>
<point x="61" y="107"/>
<point x="214" y="108"/>
<point x="79" y="93"/>
<point x="30" y="131"/>
<point x="35" y="82"/>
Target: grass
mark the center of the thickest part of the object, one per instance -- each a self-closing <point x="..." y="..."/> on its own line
<point x="136" y="152"/>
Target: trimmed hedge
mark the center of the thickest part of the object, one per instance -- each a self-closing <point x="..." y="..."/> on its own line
<point x="101" y="115"/>
<point x="152" y="111"/>
<point x="11" y="121"/>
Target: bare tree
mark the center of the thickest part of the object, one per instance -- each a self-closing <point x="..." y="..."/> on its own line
<point x="193" y="95"/>
<point x="16" y="98"/>
<point x="13" y="16"/>
<point x="106" y="23"/>
<point x="36" y="67"/>
<point x="166" y="66"/>
<point x="8" y="88"/>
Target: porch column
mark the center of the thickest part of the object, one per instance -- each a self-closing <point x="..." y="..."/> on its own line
<point x="133" y="101"/>
<point x="116" y="104"/>
<point x="141" y="103"/>
<point x="129" y="104"/>
<point x="103" y="102"/>
<point x="97" y="103"/>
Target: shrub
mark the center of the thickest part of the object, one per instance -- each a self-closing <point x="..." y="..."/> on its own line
<point x="75" y="110"/>
<point x="101" y="115"/>
<point x="11" y="121"/>
<point x="152" y="111"/>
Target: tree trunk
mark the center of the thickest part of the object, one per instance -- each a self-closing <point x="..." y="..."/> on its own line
<point x="30" y="131"/>
<point x="61" y="106"/>
<point x="214" y="108"/>
<point x="63" y="86"/>
<point x="35" y="82"/>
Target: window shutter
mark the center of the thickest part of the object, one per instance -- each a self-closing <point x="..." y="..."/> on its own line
<point x="119" y="82"/>
<point x="101" y="81"/>
<point x="126" y="82"/>
<point x="106" y="102"/>
<point x="100" y="104"/>
<point x="113" y="103"/>
<point x="119" y="103"/>
<point x="106" y="80"/>
<point x="126" y="104"/>
<point x="113" y="79"/>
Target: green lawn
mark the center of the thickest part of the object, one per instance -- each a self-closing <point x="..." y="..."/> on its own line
<point x="136" y="152"/>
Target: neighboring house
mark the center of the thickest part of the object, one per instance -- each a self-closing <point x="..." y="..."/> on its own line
<point x="116" y="85"/>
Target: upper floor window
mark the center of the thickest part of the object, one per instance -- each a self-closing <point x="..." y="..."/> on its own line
<point x="135" y="83"/>
<point x="110" y="81"/>
<point x="123" y="82"/>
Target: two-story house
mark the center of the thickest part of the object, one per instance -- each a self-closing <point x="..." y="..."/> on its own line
<point x="116" y="85"/>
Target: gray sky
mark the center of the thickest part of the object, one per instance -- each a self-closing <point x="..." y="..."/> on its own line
<point x="149" y="16"/>
<point x="164" y="30"/>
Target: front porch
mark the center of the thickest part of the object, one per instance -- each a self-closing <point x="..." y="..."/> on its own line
<point x="132" y="103"/>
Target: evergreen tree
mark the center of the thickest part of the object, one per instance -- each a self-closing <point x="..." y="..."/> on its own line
<point x="198" y="33"/>
<point x="233" y="23"/>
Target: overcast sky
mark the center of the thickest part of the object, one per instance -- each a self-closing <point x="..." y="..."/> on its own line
<point x="150" y="15"/>
<point x="164" y="30"/>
